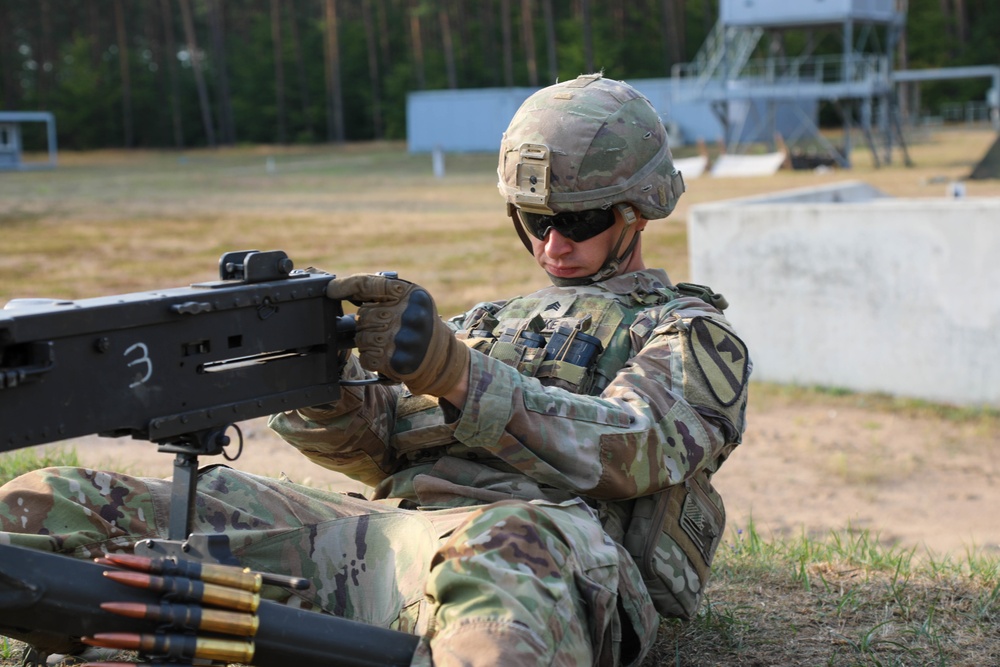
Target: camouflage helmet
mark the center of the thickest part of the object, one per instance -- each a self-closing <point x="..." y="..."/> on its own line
<point x="588" y="143"/>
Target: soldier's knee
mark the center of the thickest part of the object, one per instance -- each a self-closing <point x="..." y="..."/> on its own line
<point x="76" y="506"/>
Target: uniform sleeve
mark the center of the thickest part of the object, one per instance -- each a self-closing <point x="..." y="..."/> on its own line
<point x="350" y="436"/>
<point x="353" y="436"/>
<point x="655" y="425"/>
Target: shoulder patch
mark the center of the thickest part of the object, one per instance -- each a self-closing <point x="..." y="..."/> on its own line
<point x="722" y="359"/>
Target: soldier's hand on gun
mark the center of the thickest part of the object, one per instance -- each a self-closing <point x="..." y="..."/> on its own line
<point x="399" y="334"/>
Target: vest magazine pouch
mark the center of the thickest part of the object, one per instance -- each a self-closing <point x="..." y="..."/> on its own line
<point x="570" y="358"/>
<point x="573" y="346"/>
<point x="673" y="536"/>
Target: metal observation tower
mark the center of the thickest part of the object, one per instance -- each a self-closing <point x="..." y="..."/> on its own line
<point x="763" y="58"/>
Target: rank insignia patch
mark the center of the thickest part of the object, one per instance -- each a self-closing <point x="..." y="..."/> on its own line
<point x="722" y="359"/>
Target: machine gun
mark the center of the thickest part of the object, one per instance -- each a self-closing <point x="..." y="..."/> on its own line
<point x="178" y="367"/>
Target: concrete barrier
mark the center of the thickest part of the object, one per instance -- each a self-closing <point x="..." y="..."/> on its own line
<point x="842" y="287"/>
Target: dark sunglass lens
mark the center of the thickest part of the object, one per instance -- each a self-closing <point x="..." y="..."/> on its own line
<point x="537" y="225"/>
<point x="585" y="225"/>
<point x="575" y="225"/>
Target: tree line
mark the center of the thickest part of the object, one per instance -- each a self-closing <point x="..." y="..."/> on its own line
<point x="183" y="73"/>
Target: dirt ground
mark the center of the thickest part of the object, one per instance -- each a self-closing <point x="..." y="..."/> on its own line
<point x="916" y="481"/>
<point x="913" y="480"/>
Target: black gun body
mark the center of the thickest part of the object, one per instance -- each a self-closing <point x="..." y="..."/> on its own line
<point x="156" y="365"/>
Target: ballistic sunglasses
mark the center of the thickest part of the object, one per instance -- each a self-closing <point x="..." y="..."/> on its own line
<point x="575" y="225"/>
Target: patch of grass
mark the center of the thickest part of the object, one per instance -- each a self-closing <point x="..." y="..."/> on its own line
<point x="8" y="649"/>
<point x="18" y="462"/>
<point x="846" y="600"/>
<point x="836" y="396"/>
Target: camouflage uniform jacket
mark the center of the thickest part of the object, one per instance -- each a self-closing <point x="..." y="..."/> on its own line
<point x="654" y="413"/>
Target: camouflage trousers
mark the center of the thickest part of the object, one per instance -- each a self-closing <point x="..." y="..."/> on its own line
<point x="511" y="583"/>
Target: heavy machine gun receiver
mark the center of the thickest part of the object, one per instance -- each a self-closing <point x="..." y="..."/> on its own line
<point x="178" y="367"/>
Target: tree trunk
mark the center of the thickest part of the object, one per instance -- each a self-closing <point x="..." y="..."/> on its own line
<point x="94" y="19"/>
<point x="47" y="59"/>
<point x="227" y="125"/>
<point x="382" y="16"/>
<point x="417" y="42"/>
<point x="528" y="28"/>
<point x="373" y="73"/>
<point x="508" y="48"/>
<point x="961" y="22"/>
<point x="199" y="77"/>
<point x="279" y="71"/>
<point x="949" y="26"/>
<point x="335" y="94"/>
<point x="449" y="49"/>
<point x="487" y="39"/>
<point x="666" y="34"/>
<point x="671" y="41"/>
<point x="680" y="15"/>
<point x="550" y="41"/>
<point x="154" y="130"/>
<point x="903" y="62"/>
<point x="327" y="76"/>
<point x="300" y="70"/>
<point x="11" y="85"/>
<point x="461" y="40"/>
<point x="171" y="62"/>
<point x="123" y="69"/>
<point x="618" y="20"/>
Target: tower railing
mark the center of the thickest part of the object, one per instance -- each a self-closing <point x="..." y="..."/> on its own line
<point x="723" y="55"/>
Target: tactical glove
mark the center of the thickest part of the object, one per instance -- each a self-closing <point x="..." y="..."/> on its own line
<point x="399" y="334"/>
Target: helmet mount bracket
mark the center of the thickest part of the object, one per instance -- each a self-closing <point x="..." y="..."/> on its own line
<point x="532" y="179"/>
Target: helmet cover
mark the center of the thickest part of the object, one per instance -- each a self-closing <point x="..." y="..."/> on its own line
<point x="588" y="143"/>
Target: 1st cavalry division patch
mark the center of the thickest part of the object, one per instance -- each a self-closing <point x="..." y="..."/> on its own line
<point x="722" y="359"/>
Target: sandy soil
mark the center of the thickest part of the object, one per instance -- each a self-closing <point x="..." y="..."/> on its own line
<point x="915" y="481"/>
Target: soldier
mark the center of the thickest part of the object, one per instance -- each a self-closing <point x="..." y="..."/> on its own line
<point x="540" y="468"/>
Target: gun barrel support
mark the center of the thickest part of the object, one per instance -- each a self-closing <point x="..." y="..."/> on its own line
<point x="185" y="480"/>
<point x="182" y="495"/>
